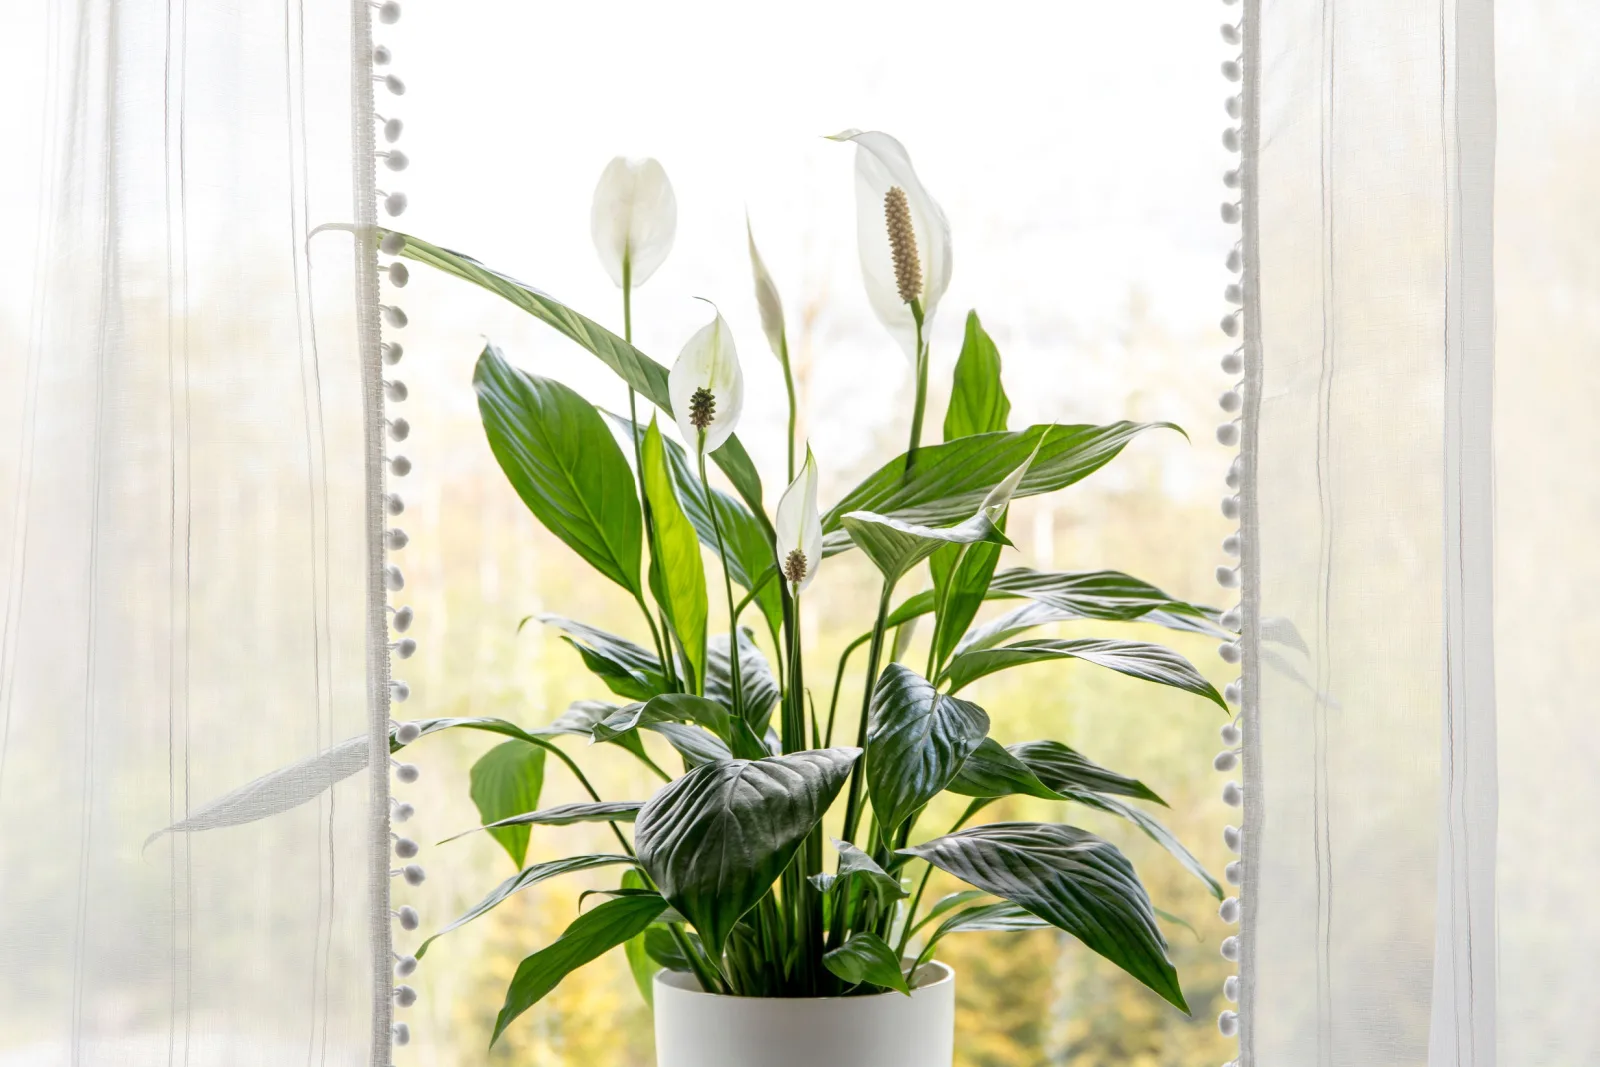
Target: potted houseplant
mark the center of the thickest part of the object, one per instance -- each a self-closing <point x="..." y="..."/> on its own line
<point x="775" y="940"/>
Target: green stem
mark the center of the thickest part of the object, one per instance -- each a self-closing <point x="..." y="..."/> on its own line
<point x="922" y="387"/>
<point x="551" y="746"/>
<point x="941" y="602"/>
<point x="727" y="584"/>
<point x="838" y="680"/>
<point x="704" y="969"/>
<point x="852" y="810"/>
<point x="916" y="898"/>
<point x="788" y="384"/>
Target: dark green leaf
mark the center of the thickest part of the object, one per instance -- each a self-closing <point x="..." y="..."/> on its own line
<point x="1151" y="663"/>
<point x="716" y="839"/>
<point x="696" y="746"/>
<point x="565" y="815"/>
<point x="580" y="719"/>
<point x="1065" y="770"/>
<point x="1156" y="832"/>
<point x="855" y="866"/>
<point x="1073" y="880"/>
<point x="557" y="453"/>
<point x="991" y="771"/>
<point x="631" y="365"/>
<point x="946" y="902"/>
<point x="949" y="481"/>
<point x="866" y="958"/>
<point x="978" y="401"/>
<point x="961" y="577"/>
<point x="894" y="546"/>
<point x="506" y="780"/>
<point x="627" y="670"/>
<point x="1000" y="917"/>
<point x="590" y="936"/>
<point x="917" y="739"/>
<point x="678" y="551"/>
<point x="668" y="707"/>
<point x="755" y="675"/>
<point x="1110" y="595"/>
<point x="528" y="876"/>
<point x="663" y="948"/>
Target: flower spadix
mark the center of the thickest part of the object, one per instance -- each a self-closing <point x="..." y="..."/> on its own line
<point x="799" y="528"/>
<point x="902" y="235"/>
<point x="633" y="220"/>
<point x="707" y="387"/>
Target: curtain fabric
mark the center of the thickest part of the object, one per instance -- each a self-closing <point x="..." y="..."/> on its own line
<point x="188" y="479"/>
<point x="1419" y="514"/>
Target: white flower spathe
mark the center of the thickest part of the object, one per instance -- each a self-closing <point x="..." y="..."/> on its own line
<point x="708" y="361"/>
<point x="799" y="527"/>
<point x="634" y="218"/>
<point x="883" y="164"/>
<point x="767" y="300"/>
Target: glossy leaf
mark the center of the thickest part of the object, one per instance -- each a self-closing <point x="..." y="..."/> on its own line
<point x="1065" y="770"/>
<point x="865" y="958"/>
<point x="716" y="839"/>
<point x="696" y="746"/>
<point x="1071" y="879"/>
<point x="945" y="903"/>
<point x="894" y="547"/>
<point x="523" y="879"/>
<point x="663" y="948"/>
<point x="558" y="455"/>
<point x="1110" y="595"/>
<point x="1156" y="831"/>
<point x="978" y="402"/>
<point x="679" y="556"/>
<point x="917" y="739"/>
<point x="590" y="936"/>
<point x="580" y="719"/>
<point x="961" y="577"/>
<point x="626" y="669"/>
<point x="565" y="815"/>
<point x="949" y="481"/>
<point x="991" y="771"/>
<point x="668" y="707"/>
<point x="639" y="961"/>
<point x="858" y="868"/>
<point x="1137" y="659"/>
<point x="506" y="781"/>
<point x="641" y="372"/>
<point x="755" y="675"/>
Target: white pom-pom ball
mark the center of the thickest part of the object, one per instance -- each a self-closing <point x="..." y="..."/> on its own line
<point x="399" y="691"/>
<point x="395" y="203"/>
<point x="1232" y="545"/>
<point x="1230" y="213"/>
<point x="392" y="130"/>
<point x="400" y="466"/>
<point x="396" y="160"/>
<point x="407" y="773"/>
<point x="406" y="647"/>
<point x="405" y="996"/>
<point x="1231" y="734"/>
<point x="393" y="578"/>
<point x="389" y="12"/>
<point x="1230" y="988"/>
<point x="1230" y="401"/>
<point x="1233" y="107"/>
<point x="414" y="875"/>
<point x="1233" y="837"/>
<point x="1230" y="507"/>
<point x="402" y="1034"/>
<point x="396" y="392"/>
<point x="406" y="967"/>
<point x="403" y="618"/>
<point x="409" y="918"/>
<point x="1233" y="692"/>
<point x="1233" y="294"/>
<point x="1228" y="652"/>
<point x="1228" y="434"/>
<point x="1229" y="948"/>
<point x="394" y="85"/>
<point x="1228" y="1023"/>
<point x="1231" y="178"/>
<point x="1231" y="620"/>
<point x="392" y="244"/>
<point x="1226" y="760"/>
<point x="403" y="812"/>
<point x="1233" y="794"/>
<point x="381" y="55"/>
<point x="1232" y="71"/>
<point x="1230" y="325"/>
<point x="393" y="352"/>
<point x="1229" y="911"/>
<point x="399" y="429"/>
<point x="397" y="538"/>
<point x="399" y="275"/>
<point x="405" y="848"/>
<point x="1233" y="873"/>
<point x="1235" y="261"/>
<point x="394" y="503"/>
<point x="1230" y="139"/>
<point x="1228" y="577"/>
<point x="1230" y="33"/>
<point x="407" y="733"/>
<point x="394" y="316"/>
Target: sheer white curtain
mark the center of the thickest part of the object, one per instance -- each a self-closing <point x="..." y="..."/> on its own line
<point x="185" y="530"/>
<point x="1420" y="504"/>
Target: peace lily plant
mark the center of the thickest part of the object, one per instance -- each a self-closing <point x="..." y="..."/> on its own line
<point x="785" y="858"/>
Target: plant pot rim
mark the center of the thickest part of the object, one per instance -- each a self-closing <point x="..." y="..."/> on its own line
<point x="685" y="982"/>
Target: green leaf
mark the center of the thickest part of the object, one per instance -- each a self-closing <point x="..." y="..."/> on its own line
<point x="590" y="936"/>
<point x="1157" y="832"/>
<point x="946" y="902"/>
<point x="865" y="958"/>
<point x="978" y="401"/>
<point x="755" y="675"/>
<point x="679" y="557"/>
<point x="639" y="962"/>
<point x="1137" y="659"/>
<point x="961" y="579"/>
<point x="917" y="739"/>
<point x="716" y="839"/>
<point x="696" y="746"/>
<point x="1071" y="879"/>
<point x="1066" y="770"/>
<point x="557" y="453"/>
<point x="991" y="771"/>
<point x="641" y="372"/>
<point x="855" y="866"/>
<point x="1110" y="595"/>
<point x="894" y="547"/>
<point x="565" y="815"/>
<point x="506" y="781"/>
<point x="580" y="719"/>
<point x="751" y="557"/>
<point x="950" y="481"/>
<point x="999" y="917"/>
<point x="528" y="876"/>
<point x="668" y="707"/>
<point x="626" y="669"/>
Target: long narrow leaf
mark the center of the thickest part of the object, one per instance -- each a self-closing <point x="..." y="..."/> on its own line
<point x="1137" y="659"/>
<point x="523" y="879"/>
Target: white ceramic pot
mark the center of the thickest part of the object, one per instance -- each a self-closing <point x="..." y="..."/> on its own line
<point x="699" y="1029"/>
